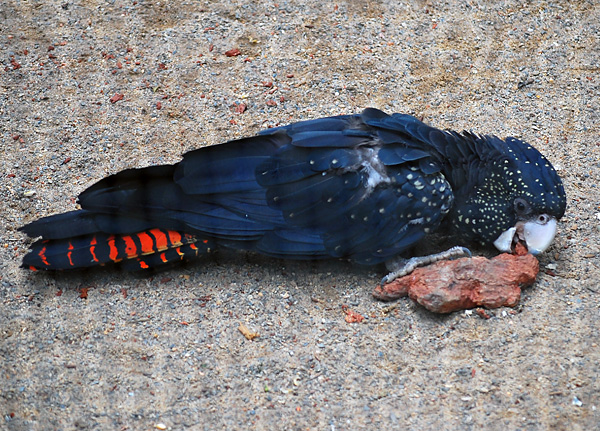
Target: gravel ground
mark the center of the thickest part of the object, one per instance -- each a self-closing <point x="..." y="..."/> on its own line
<point x="109" y="350"/>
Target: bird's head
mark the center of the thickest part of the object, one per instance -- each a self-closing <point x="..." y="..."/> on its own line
<point x="516" y="196"/>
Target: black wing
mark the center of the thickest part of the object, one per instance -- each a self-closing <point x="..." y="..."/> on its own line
<point x="365" y="186"/>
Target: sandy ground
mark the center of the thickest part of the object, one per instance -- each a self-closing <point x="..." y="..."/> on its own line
<point x="165" y="352"/>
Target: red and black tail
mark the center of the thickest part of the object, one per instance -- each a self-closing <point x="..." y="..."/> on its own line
<point x="147" y="249"/>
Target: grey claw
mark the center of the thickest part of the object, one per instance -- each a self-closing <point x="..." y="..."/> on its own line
<point x="402" y="267"/>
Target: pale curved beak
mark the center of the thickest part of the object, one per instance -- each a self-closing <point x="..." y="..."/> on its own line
<point x="537" y="234"/>
<point x="505" y="241"/>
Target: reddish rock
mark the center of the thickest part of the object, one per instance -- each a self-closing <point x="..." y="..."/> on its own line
<point x="460" y="284"/>
<point x="116" y="97"/>
<point x="233" y="52"/>
<point x="351" y="315"/>
<point x="240" y="108"/>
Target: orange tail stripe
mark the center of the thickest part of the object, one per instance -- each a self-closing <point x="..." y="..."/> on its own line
<point x="42" y="255"/>
<point x="114" y="253"/>
<point x="130" y="247"/>
<point x="69" y="254"/>
<point x="175" y="238"/>
<point x="93" y="243"/>
<point x="146" y="242"/>
<point x="160" y="238"/>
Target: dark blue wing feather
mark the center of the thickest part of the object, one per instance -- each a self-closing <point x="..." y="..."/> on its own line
<point x="291" y="243"/>
<point x="336" y="200"/>
<point x="298" y="194"/>
<point x="227" y="167"/>
<point x="326" y="139"/>
<point x="395" y="155"/>
<point x="288" y="165"/>
<point x="328" y="124"/>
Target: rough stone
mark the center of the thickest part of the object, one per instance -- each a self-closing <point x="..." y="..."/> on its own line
<point x="461" y="284"/>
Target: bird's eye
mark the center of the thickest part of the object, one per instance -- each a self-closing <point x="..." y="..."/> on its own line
<point x="521" y="206"/>
<point x="543" y="219"/>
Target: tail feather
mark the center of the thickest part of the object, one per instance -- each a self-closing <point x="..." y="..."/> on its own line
<point x="86" y="223"/>
<point x="62" y="225"/>
<point x="167" y="257"/>
<point x="142" y="250"/>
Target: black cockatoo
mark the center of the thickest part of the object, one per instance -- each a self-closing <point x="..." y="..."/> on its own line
<point x="367" y="187"/>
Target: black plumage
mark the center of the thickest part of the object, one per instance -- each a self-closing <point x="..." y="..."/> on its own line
<point x="367" y="187"/>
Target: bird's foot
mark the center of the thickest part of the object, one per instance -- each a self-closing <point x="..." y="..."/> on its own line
<point x="400" y="267"/>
